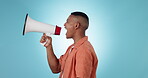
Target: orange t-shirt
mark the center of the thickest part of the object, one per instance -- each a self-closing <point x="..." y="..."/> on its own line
<point x="80" y="60"/>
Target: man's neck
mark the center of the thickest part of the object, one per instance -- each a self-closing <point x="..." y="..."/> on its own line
<point x="76" y="38"/>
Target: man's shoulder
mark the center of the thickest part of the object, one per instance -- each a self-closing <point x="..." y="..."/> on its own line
<point x="86" y="47"/>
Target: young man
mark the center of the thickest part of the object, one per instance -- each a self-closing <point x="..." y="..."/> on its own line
<point x="80" y="60"/>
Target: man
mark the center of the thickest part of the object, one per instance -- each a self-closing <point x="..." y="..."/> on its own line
<point x="80" y="60"/>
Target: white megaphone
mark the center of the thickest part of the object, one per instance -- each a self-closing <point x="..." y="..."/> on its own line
<point x="31" y="25"/>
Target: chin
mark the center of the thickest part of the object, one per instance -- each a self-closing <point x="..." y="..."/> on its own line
<point x="68" y="37"/>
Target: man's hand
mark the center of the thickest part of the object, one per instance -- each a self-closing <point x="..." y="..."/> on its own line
<point x="47" y="40"/>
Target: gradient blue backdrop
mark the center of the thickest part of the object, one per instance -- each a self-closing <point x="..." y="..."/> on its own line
<point x="118" y="31"/>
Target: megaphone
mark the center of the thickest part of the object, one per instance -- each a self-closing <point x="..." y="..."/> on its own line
<point x="31" y="25"/>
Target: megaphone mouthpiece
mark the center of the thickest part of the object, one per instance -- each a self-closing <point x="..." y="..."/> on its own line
<point x="57" y="30"/>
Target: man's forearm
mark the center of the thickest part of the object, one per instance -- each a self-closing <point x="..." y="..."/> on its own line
<point x="52" y="60"/>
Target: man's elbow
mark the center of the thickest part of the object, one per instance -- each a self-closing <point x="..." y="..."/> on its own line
<point x="55" y="72"/>
<point x="56" y="69"/>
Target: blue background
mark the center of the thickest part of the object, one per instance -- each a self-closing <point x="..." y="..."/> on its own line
<point x="118" y="31"/>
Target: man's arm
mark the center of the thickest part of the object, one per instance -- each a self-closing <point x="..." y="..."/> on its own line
<point x="52" y="59"/>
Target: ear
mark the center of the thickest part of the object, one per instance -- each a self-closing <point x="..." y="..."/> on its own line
<point x="77" y="25"/>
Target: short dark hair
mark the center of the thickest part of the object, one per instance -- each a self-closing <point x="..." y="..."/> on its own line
<point x="80" y="14"/>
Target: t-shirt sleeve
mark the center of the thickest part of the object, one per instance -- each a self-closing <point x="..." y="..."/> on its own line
<point x="83" y="63"/>
<point x="62" y="56"/>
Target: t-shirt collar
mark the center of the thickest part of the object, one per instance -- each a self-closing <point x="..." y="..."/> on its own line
<point x="81" y="41"/>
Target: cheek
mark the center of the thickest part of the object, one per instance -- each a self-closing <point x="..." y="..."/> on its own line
<point x="69" y="26"/>
<point x="70" y="30"/>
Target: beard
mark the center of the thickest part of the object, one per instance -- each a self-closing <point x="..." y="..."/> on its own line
<point x="69" y="34"/>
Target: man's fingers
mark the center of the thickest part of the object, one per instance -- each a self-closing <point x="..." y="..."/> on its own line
<point x="49" y="41"/>
<point x="44" y="34"/>
<point x="43" y="39"/>
<point x="46" y="39"/>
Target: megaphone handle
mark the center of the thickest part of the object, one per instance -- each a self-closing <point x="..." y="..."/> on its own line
<point x="47" y="34"/>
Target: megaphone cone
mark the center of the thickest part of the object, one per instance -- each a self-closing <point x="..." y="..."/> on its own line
<point x="31" y="25"/>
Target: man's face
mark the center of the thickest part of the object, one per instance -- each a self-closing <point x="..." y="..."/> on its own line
<point x="69" y="26"/>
